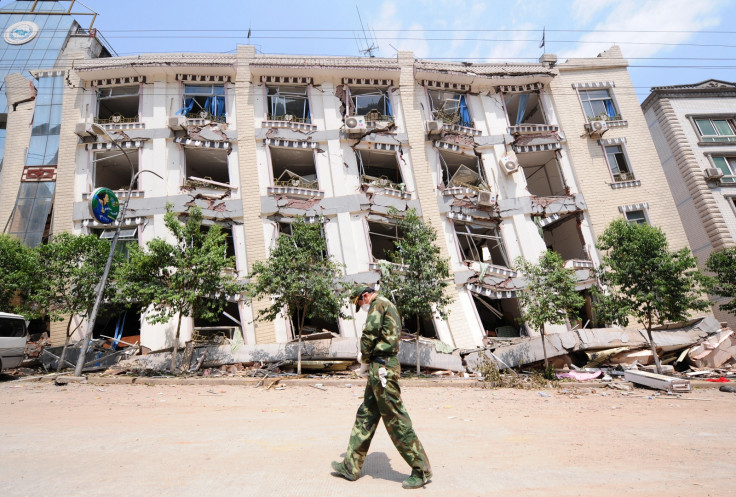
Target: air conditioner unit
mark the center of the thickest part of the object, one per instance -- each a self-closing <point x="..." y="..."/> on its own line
<point x="434" y="127"/>
<point x="598" y="127"/>
<point x="509" y="163"/>
<point x="713" y="173"/>
<point x="355" y="124"/>
<point x="486" y="198"/>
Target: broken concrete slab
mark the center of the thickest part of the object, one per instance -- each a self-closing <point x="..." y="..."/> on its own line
<point x="714" y="351"/>
<point x="658" y="381"/>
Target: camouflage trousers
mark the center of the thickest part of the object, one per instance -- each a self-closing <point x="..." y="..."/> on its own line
<point x="384" y="403"/>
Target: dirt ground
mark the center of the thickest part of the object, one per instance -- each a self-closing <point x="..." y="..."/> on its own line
<point x="210" y="440"/>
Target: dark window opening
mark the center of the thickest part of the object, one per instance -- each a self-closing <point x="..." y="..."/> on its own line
<point x="565" y="238"/>
<point x="450" y="108"/>
<point x="229" y="240"/>
<point x="117" y="105"/>
<point x="426" y="325"/>
<point x="383" y="237"/>
<point x="119" y="324"/>
<point x="379" y="169"/>
<point x="598" y="105"/>
<point x="292" y="167"/>
<point x="313" y="325"/>
<point x="204" y="102"/>
<point x="480" y="243"/>
<point x="543" y="179"/>
<point x="206" y="164"/>
<point x="224" y="326"/>
<point x="499" y="317"/>
<point x="524" y="108"/>
<point x="373" y="103"/>
<point x="288" y="103"/>
<point x="112" y="169"/>
<point x="618" y="163"/>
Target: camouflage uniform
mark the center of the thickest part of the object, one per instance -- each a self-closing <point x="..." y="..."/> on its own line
<point x="381" y="339"/>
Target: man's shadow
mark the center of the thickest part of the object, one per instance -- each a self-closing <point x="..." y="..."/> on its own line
<point x="378" y="465"/>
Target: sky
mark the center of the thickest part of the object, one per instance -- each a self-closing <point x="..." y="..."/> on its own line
<point x="667" y="42"/>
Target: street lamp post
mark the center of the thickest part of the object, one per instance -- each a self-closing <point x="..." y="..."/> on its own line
<point x="101" y="132"/>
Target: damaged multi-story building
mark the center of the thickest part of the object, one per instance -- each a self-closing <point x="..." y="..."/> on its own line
<point x="504" y="160"/>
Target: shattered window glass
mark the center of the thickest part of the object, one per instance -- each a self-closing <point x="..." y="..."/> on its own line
<point x="481" y="243"/>
<point x="372" y="103"/>
<point x="204" y="102"/>
<point x="288" y="103"/>
<point x="117" y="105"/>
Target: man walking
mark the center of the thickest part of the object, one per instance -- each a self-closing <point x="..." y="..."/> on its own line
<point x="379" y="346"/>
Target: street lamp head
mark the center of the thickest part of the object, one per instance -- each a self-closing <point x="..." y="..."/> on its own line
<point x="101" y="132"/>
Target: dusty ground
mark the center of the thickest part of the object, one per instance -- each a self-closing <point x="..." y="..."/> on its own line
<point x="211" y="440"/>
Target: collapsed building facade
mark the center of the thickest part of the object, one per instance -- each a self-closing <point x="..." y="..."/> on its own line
<point x="504" y="160"/>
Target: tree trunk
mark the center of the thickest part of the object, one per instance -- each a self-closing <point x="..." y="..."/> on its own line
<point x="418" y="368"/>
<point x="544" y="348"/>
<point x="66" y="344"/>
<point x="176" y="346"/>
<point x="654" y="351"/>
<point x="299" y="350"/>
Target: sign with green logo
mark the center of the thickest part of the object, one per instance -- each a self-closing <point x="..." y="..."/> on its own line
<point x="104" y="205"/>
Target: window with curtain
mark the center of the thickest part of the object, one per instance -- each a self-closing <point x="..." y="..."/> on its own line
<point x="289" y="103"/>
<point x="450" y="108"/>
<point x="204" y="102"/>
<point x="598" y="105"/>
<point x="716" y="130"/>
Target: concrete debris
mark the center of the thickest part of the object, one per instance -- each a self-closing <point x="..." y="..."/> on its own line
<point x="658" y="381"/>
<point x="715" y="351"/>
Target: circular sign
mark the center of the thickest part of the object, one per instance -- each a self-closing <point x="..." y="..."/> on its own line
<point x="104" y="205"/>
<point x="21" y="32"/>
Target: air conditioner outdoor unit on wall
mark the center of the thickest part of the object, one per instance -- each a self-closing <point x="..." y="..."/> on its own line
<point x="713" y="173"/>
<point x="509" y="163"/>
<point x="434" y="127"/>
<point x="355" y="124"/>
<point x="598" y="127"/>
<point x="486" y="198"/>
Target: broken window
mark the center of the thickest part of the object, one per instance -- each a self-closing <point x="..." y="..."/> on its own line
<point x="618" y="163"/>
<point x="460" y="170"/>
<point x="598" y="105"/>
<point x="727" y="165"/>
<point x="206" y="167"/>
<point x="382" y="239"/>
<point x="380" y="169"/>
<point x="229" y="240"/>
<point x="524" y="108"/>
<point x="426" y="325"/>
<point x="450" y="108"/>
<point x="716" y="130"/>
<point x="373" y="103"/>
<point x="481" y="243"/>
<point x="31" y="217"/>
<point x="118" y="104"/>
<point x="294" y="167"/>
<point x="313" y="325"/>
<point x="127" y="237"/>
<point x="124" y="325"/>
<point x="636" y="217"/>
<point x="543" y="174"/>
<point x="499" y="317"/>
<point x="112" y="170"/>
<point x="565" y="237"/>
<point x="204" y="102"/>
<point x="288" y="103"/>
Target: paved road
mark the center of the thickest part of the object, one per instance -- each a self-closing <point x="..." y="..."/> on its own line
<point x="215" y="440"/>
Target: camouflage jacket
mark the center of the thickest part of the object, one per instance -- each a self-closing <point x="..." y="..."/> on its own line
<point x="381" y="332"/>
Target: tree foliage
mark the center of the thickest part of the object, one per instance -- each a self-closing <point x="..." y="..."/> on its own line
<point x="645" y="280"/>
<point x="188" y="277"/>
<point x="299" y="277"/>
<point x="549" y="295"/>
<point x="18" y="273"/>
<point x="723" y="264"/>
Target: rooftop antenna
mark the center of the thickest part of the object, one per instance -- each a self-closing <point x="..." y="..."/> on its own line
<point x="370" y="45"/>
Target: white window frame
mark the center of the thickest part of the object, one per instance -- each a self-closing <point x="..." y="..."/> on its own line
<point x="717" y="137"/>
<point x="608" y="86"/>
<point x="643" y="207"/>
<point x="624" y="152"/>
<point x="730" y="160"/>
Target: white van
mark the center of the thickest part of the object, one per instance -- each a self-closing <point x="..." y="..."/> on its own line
<point x="13" y="338"/>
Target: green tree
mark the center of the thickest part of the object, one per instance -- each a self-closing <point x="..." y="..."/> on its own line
<point x="18" y="275"/>
<point x="299" y="278"/>
<point x="644" y="279"/>
<point x="418" y="281"/>
<point x="72" y="266"/>
<point x="723" y="264"/>
<point x="188" y="278"/>
<point x="549" y="295"/>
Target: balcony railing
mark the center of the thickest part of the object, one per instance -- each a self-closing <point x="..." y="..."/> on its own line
<point x="117" y="119"/>
<point x="623" y="177"/>
<point x="207" y="116"/>
<point x="289" y="118"/>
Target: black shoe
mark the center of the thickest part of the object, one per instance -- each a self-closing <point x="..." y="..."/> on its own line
<point x="341" y="470"/>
